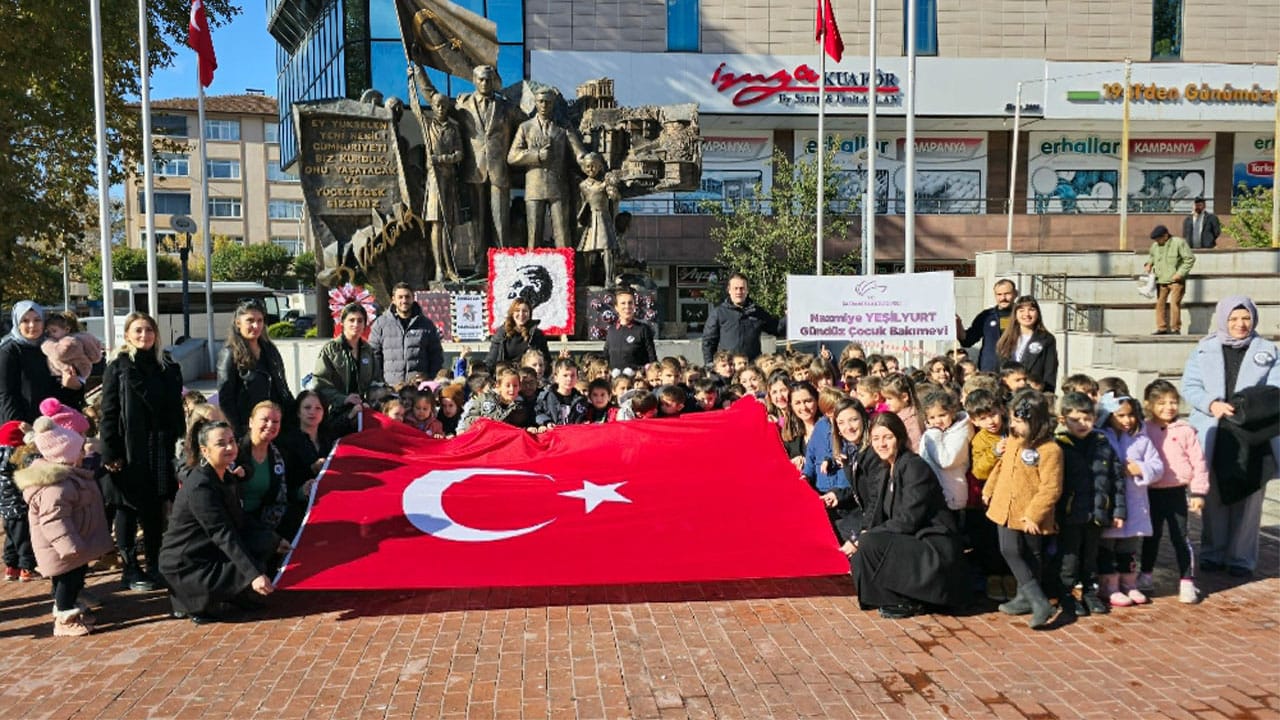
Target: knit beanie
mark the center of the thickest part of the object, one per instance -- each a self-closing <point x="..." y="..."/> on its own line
<point x="11" y="434"/>
<point x="64" y="416"/>
<point x="56" y="443"/>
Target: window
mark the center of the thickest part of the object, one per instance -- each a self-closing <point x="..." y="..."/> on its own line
<point x="169" y="165"/>
<point x="224" y="207"/>
<point x="168" y="240"/>
<point x="169" y="125"/>
<point x="284" y="209"/>
<point x="222" y="129"/>
<point x="1166" y="30"/>
<point x="683" y="26"/>
<point x="167" y="203"/>
<point x="275" y="174"/>
<point x="223" y="169"/>
<point x="926" y="27"/>
<point x="292" y="244"/>
<point x="271" y="132"/>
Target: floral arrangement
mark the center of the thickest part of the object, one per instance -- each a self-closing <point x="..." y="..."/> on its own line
<point x="345" y="295"/>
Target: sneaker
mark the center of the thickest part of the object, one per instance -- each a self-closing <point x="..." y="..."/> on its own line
<point x="1188" y="592"/>
<point x="25" y="575"/>
<point x="1138" y="597"/>
<point x="1119" y="599"/>
<point x="995" y="588"/>
<point x="11" y="573"/>
<point x="1146" y="583"/>
<point x="1079" y="602"/>
<point x="1095" y="604"/>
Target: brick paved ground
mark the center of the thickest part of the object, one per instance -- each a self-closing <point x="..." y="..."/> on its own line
<point x="747" y="650"/>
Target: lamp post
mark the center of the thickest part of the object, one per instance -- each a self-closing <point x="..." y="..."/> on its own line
<point x="186" y="226"/>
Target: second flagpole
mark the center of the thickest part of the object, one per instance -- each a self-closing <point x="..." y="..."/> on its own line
<point x="822" y="137"/>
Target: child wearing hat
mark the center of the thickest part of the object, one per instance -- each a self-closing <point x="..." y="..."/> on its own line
<point x="19" y="559"/>
<point x="68" y="522"/>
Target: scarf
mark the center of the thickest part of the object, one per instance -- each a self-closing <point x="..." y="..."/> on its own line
<point x="1226" y="306"/>
<point x="22" y="307"/>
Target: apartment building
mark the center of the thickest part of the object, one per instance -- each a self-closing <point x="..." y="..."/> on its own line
<point x="251" y="200"/>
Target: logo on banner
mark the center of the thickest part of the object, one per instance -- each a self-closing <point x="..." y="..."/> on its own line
<point x="1261" y="168"/>
<point x="1167" y="147"/>
<point x="800" y="87"/>
<point x="944" y="147"/>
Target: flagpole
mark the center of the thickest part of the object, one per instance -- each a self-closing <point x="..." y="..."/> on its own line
<point x="204" y="222"/>
<point x="1013" y="167"/>
<point x="148" y="170"/>
<point x="1123" y="194"/>
<point x="909" y="213"/>
<point x="869" y="208"/>
<point x="822" y="137"/>
<point x="104" y="173"/>
<point x="1275" y="169"/>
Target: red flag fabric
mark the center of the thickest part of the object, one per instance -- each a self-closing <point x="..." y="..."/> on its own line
<point x="828" y="32"/>
<point x="709" y="496"/>
<point x="200" y="39"/>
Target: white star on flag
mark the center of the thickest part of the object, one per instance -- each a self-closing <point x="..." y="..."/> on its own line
<point x="593" y="494"/>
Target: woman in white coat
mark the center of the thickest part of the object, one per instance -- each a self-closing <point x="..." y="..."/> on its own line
<point x="1233" y="358"/>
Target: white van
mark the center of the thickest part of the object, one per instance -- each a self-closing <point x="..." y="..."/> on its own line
<point x="131" y="296"/>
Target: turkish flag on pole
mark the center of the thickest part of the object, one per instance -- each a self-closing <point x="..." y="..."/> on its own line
<point x="200" y="39"/>
<point x="828" y="32"/>
<point x="709" y="496"/>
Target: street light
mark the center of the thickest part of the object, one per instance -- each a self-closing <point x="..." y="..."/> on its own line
<point x="186" y="226"/>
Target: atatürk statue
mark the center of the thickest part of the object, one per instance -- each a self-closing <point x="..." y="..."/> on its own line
<point x="488" y="121"/>
<point x="542" y="146"/>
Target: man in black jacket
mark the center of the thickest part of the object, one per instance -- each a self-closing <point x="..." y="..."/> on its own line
<point x="989" y="325"/>
<point x="406" y="339"/>
<point x="1201" y="228"/>
<point x="737" y="323"/>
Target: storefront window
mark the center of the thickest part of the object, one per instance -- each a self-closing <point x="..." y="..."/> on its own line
<point x="683" y="26"/>
<point x="1166" y="30"/>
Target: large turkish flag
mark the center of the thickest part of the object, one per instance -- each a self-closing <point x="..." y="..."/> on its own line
<point x="709" y="496"/>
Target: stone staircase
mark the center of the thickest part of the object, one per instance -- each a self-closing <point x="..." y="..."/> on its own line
<point x="1103" y="326"/>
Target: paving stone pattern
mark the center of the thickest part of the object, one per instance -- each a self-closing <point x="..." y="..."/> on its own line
<point x="789" y="648"/>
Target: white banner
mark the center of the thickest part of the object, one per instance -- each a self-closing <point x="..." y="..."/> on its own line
<point x="858" y="308"/>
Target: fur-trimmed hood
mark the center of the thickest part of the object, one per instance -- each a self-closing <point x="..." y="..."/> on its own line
<point x="43" y="473"/>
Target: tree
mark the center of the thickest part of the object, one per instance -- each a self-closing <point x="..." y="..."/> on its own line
<point x="130" y="264"/>
<point x="1250" y="222"/>
<point x="48" y="155"/>
<point x="304" y="269"/>
<point x="266" y="263"/>
<point x="768" y="239"/>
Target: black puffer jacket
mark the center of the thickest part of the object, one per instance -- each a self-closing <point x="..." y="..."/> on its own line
<point x="737" y="328"/>
<point x="1092" y="481"/>
<point x="12" y="506"/>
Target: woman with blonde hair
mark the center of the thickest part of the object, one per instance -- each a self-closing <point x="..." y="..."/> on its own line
<point x="141" y="422"/>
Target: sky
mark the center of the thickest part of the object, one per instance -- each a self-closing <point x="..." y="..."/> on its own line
<point x="246" y="59"/>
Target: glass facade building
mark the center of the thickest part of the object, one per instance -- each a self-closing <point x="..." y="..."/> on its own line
<point x="330" y="49"/>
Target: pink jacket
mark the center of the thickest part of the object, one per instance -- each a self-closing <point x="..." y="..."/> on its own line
<point x="1184" y="463"/>
<point x="68" y="523"/>
<point x="911" y="419"/>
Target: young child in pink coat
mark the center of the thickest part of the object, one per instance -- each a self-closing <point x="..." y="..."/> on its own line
<point x="64" y="506"/>
<point x="1184" y="469"/>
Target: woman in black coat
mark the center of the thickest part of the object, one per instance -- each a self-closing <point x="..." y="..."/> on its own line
<point x="909" y="553"/>
<point x="25" y="379"/>
<point x="142" y="420"/>
<point x="517" y="335"/>
<point x="305" y="449"/>
<point x="250" y="369"/>
<point x="1028" y="342"/>
<point x="203" y="558"/>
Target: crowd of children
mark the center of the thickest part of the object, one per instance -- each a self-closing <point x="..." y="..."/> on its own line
<point x="1061" y="497"/>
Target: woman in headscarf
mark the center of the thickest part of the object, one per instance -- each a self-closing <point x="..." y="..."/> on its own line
<point x="25" y="379"/>
<point x="1233" y="358"/>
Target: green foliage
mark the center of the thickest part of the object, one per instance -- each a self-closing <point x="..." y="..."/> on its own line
<point x="266" y="263"/>
<point x="282" y="329"/>
<point x="766" y="240"/>
<point x="304" y="269"/>
<point x="130" y="264"/>
<point x="1250" y="222"/>
<point x="312" y="332"/>
<point x="48" y="163"/>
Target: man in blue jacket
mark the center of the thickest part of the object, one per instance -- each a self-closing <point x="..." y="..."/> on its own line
<point x="406" y="339"/>
<point x="989" y="325"/>
<point x="737" y="323"/>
